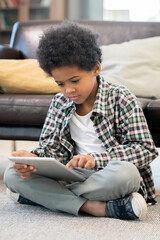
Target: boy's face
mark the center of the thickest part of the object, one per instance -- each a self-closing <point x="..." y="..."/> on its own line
<point x="78" y="85"/>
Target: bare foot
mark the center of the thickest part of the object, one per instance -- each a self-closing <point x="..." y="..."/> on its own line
<point x="95" y="208"/>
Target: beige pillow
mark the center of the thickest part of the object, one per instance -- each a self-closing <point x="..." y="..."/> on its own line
<point x="135" y="64"/>
<point x="25" y="76"/>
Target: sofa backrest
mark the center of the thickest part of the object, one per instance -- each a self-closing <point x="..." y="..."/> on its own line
<point x="25" y="35"/>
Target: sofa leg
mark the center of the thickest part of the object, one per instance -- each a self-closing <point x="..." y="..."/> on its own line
<point x="13" y="146"/>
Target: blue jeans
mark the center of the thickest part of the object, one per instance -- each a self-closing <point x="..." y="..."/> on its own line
<point x="116" y="180"/>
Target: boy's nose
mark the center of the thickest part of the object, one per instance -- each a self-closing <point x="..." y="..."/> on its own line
<point x="70" y="89"/>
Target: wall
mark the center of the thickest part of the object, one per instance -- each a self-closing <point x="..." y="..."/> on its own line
<point x="85" y="9"/>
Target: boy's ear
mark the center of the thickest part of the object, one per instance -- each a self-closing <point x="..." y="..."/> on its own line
<point x="97" y="69"/>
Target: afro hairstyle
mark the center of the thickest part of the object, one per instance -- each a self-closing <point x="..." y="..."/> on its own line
<point x="68" y="44"/>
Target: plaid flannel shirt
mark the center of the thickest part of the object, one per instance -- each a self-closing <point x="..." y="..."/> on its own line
<point x="119" y="123"/>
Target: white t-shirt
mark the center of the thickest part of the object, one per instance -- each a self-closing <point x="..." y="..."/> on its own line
<point x="83" y="133"/>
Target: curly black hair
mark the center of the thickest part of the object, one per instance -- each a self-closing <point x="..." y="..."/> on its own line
<point x="68" y="44"/>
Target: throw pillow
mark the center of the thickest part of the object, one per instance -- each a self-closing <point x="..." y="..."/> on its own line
<point x="135" y="64"/>
<point x="25" y="76"/>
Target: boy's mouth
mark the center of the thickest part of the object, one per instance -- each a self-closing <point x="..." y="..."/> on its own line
<point x="73" y="98"/>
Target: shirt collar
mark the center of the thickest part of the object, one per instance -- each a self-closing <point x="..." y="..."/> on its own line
<point x="100" y="105"/>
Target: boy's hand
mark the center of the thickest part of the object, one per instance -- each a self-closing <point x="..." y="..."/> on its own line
<point x="24" y="170"/>
<point x="85" y="161"/>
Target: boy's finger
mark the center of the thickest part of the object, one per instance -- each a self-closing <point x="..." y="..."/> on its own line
<point x="73" y="162"/>
<point x="20" y="166"/>
<point x="20" y="153"/>
<point x="69" y="164"/>
<point x="25" y="176"/>
<point x="23" y="153"/>
<point x="28" y="170"/>
<point x="31" y="167"/>
<point x="87" y="165"/>
<point x="81" y="162"/>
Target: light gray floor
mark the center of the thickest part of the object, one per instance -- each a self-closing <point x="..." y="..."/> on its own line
<point x="22" y="222"/>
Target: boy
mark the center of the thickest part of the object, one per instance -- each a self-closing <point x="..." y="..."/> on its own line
<point x="93" y="125"/>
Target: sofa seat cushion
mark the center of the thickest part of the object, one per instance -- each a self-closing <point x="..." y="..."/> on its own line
<point x="23" y="109"/>
<point x="30" y="133"/>
<point x="144" y="102"/>
<point x="153" y="115"/>
<point x="31" y="109"/>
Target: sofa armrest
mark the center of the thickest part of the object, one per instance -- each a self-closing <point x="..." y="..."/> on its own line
<point x="9" y="53"/>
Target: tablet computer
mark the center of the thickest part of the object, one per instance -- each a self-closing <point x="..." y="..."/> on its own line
<point x="49" y="167"/>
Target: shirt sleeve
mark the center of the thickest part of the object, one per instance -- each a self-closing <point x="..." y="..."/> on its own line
<point x="49" y="141"/>
<point x="134" y="141"/>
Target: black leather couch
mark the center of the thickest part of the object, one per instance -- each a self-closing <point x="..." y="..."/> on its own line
<point x="22" y="116"/>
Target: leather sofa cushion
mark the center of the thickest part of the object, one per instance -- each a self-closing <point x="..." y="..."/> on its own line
<point x="27" y="114"/>
<point x="31" y="110"/>
<point x="30" y="133"/>
<point x="153" y="115"/>
<point x="9" y="53"/>
<point x="23" y="109"/>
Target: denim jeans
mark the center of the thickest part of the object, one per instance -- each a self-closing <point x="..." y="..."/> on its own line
<point x="116" y="180"/>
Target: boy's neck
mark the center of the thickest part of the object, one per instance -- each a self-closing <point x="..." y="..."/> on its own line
<point x="83" y="110"/>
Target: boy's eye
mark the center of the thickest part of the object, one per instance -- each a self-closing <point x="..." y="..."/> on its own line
<point x="60" y="84"/>
<point x="75" y="81"/>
